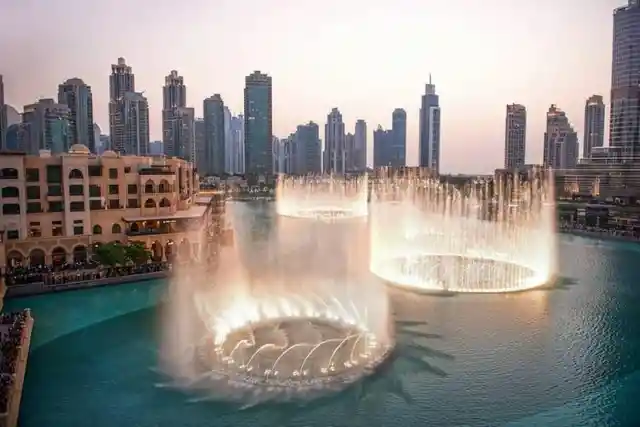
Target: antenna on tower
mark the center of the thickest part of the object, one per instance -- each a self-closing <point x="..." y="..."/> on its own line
<point x="429" y="78"/>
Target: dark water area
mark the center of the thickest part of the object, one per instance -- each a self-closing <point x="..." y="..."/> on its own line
<point x="565" y="356"/>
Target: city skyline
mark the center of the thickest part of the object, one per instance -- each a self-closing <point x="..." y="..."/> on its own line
<point x="473" y="75"/>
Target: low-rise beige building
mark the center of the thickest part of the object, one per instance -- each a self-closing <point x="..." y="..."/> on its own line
<point x="54" y="209"/>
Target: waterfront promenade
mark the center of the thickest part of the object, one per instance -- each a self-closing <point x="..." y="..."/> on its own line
<point x="15" y="339"/>
<point x="599" y="233"/>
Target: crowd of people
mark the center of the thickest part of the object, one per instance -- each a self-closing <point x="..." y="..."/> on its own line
<point x="12" y="326"/>
<point x="600" y="231"/>
<point x="75" y="272"/>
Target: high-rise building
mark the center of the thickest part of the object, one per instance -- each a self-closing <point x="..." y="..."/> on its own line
<point x="625" y="81"/>
<point x="228" y="142"/>
<point x="132" y="125"/>
<point x="306" y="150"/>
<point x="155" y="148"/>
<point x="105" y="144"/>
<point x="236" y="127"/>
<point x="334" y="138"/>
<point x="45" y="126"/>
<point x="214" y="162"/>
<point x="430" y="129"/>
<point x="3" y="117"/>
<point x="349" y="152"/>
<point x="515" y="136"/>
<point x="594" y="111"/>
<point x="76" y="95"/>
<point x="382" y="147"/>
<point x="121" y="81"/>
<point x="258" y="133"/>
<point x="360" y="142"/>
<point x="201" y="146"/>
<point x="560" y="141"/>
<point x="179" y="133"/>
<point x="399" y="139"/>
<point x="178" y="121"/>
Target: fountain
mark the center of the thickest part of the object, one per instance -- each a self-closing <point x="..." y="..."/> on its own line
<point x="288" y="314"/>
<point x="490" y="236"/>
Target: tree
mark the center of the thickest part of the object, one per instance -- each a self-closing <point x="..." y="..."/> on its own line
<point x="137" y="253"/>
<point x="110" y="254"/>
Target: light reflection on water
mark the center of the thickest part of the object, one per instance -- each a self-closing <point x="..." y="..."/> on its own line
<point x="564" y="356"/>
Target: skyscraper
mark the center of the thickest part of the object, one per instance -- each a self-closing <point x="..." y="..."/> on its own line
<point x="201" y="145"/>
<point x="236" y="128"/>
<point x="625" y="80"/>
<point x="350" y="152"/>
<point x="334" y="138"/>
<point x="3" y="117"/>
<point x="213" y="108"/>
<point x="560" y="141"/>
<point x="593" y="125"/>
<point x="76" y="95"/>
<point x="515" y="136"/>
<point x="135" y="126"/>
<point x="430" y="129"/>
<point x="399" y="139"/>
<point x="360" y="137"/>
<point x="258" y="134"/>
<point x="228" y="142"/>
<point x="382" y="147"/>
<point x="121" y="81"/>
<point x="307" y="150"/>
<point x="179" y="134"/>
<point x="45" y="126"/>
<point x="178" y="122"/>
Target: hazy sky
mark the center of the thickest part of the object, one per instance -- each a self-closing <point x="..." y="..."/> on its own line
<point x="365" y="57"/>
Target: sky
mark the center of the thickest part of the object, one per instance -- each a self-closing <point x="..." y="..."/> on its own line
<point x="366" y="57"/>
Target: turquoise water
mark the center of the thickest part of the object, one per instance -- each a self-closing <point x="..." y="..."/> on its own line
<point x="568" y="356"/>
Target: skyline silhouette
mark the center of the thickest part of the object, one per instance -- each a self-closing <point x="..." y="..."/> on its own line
<point x="366" y="58"/>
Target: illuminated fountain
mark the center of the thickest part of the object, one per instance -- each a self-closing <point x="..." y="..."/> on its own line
<point x="490" y="236"/>
<point x="284" y="316"/>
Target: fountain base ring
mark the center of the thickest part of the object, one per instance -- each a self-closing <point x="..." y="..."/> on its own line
<point x="452" y="273"/>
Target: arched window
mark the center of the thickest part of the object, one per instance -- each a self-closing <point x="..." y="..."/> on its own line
<point x="11" y="209"/>
<point x="36" y="257"/>
<point x="10" y="173"/>
<point x="75" y="174"/>
<point x="150" y="203"/>
<point x="10" y="192"/>
<point x="149" y="187"/>
<point x="97" y="229"/>
<point x="165" y="203"/>
<point x="164" y="186"/>
<point x="116" y="229"/>
<point x="58" y="256"/>
<point x="80" y="253"/>
<point x="14" y="258"/>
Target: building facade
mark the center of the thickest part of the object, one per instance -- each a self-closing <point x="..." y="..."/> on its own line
<point x="258" y="131"/>
<point x="236" y="128"/>
<point x="76" y="95"/>
<point x="3" y="117"/>
<point x="429" y="146"/>
<point x="56" y="208"/>
<point x="334" y="140"/>
<point x="214" y="124"/>
<point x="625" y="81"/>
<point x="560" y="141"/>
<point x="594" y="111"/>
<point x="515" y="136"/>
<point x="45" y="126"/>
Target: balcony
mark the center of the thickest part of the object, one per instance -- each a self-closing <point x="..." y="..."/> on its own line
<point x="154" y="227"/>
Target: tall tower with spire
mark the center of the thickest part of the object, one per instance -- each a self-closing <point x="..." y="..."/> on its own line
<point x="430" y="129"/>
